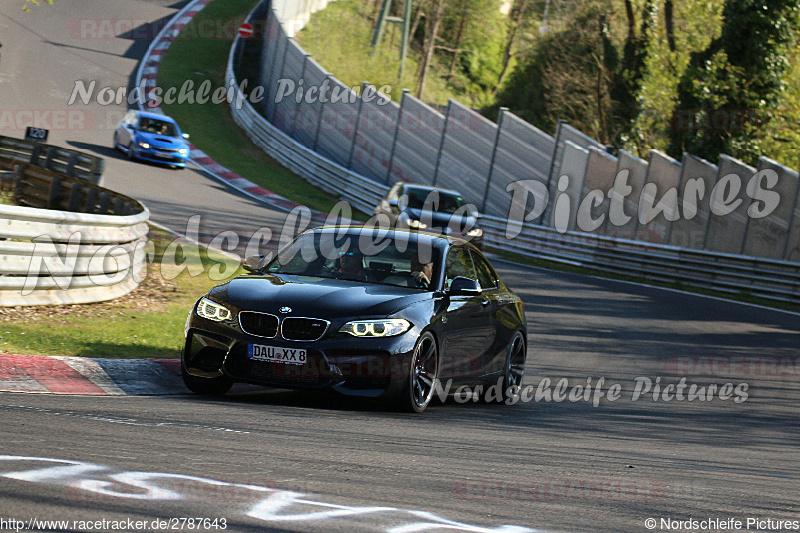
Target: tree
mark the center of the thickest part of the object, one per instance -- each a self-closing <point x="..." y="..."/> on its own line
<point x="728" y="93"/>
<point x="432" y="30"/>
<point x="569" y="76"/>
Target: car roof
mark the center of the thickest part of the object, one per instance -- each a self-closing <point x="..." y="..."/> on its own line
<point x="150" y="114"/>
<point x="431" y="239"/>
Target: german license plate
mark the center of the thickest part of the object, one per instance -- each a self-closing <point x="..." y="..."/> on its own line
<point x="276" y="354"/>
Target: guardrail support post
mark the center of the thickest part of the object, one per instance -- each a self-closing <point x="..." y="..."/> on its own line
<point x="73" y="158"/>
<point x="98" y="167"/>
<point x="52" y="199"/>
<point x="105" y="203"/>
<point x="75" y="197"/>
<point x="48" y="160"/>
<point x="91" y="201"/>
<point x="19" y="174"/>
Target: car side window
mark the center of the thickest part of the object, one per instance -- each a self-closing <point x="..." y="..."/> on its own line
<point x="459" y="263"/>
<point x="486" y="274"/>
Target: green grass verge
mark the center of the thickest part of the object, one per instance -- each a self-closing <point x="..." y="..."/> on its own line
<point x="339" y="37"/>
<point x="212" y="129"/>
<point x="6" y="198"/>
<point x="147" y="323"/>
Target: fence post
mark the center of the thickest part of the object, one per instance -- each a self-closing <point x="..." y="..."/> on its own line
<point x="494" y="154"/>
<point x="791" y="221"/>
<point x="265" y="74"/>
<point x="96" y="172"/>
<point x="50" y="155"/>
<point x="321" y="114"/>
<point x="546" y="212"/>
<point x="75" y="197"/>
<point x="441" y="143"/>
<point x="19" y="175"/>
<point x="396" y="131"/>
<point x="296" y="123"/>
<point x="280" y="71"/>
<point x="364" y="85"/>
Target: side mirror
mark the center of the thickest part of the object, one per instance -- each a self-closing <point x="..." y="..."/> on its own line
<point x="392" y="203"/>
<point x="255" y="263"/>
<point x="186" y="136"/>
<point x="461" y="286"/>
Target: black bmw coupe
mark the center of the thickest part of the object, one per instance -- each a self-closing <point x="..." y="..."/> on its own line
<point x="365" y="311"/>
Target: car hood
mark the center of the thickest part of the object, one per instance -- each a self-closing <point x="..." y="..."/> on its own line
<point x="315" y="297"/>
<point x="443" y="220"/>
<point x="160" y="141"/>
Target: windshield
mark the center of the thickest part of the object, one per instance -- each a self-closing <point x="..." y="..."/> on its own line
<point x="438" y="201"/>
<point x="383" y="261"/>
<point x="160" y="127"/>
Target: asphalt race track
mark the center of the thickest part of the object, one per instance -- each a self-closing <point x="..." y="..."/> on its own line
<point x="287" y="461"/>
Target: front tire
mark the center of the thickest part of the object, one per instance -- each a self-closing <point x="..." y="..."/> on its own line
<point x="207" y="386"/>
<point x="419" y="385"/>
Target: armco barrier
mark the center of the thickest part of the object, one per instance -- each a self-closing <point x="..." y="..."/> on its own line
<point x="90" y="250"/>
<point x="70" y="163"/>
<point x="768" y="278"/>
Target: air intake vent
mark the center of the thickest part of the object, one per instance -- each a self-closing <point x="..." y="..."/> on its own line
<point x="303" y="329"/>
<point x="259" y="324"/>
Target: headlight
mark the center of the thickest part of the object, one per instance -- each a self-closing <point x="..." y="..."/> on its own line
<point x="183" y="151"/>
<point x="144" y="145"/>
<point x="416" y="224"/>
<point x="475" y="232"/>
<point x="212" y="311"/>
<point x="387" y="327"/>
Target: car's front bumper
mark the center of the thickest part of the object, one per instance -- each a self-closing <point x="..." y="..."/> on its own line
<point x="357" y="366"/>
<point x="158" y="156"/>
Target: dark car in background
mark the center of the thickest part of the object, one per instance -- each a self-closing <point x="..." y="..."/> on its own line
<point x="152" y="137"/>
<point x="369" y="312"/>
<point x="433" y="209"/>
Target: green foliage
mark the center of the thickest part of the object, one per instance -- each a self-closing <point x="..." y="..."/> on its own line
<point x="740" y="74"/>
<point x="570" y="76"/>
<point x="697" y="23"/>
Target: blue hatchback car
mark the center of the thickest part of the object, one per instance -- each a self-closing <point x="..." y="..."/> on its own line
<point x="152" y="137"/>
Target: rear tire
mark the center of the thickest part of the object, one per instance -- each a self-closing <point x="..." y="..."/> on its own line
<point x="511" y="381"/>
<point x="207" y="386"/>
<point x="419" y="385"/>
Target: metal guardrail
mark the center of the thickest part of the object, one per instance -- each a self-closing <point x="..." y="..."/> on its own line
<point x="733" y="274"/>
<point x="772" y="279"/>
<point x="70" y="163"/>
<point x="38" y="187"/>
<point x="362" y="193"/>
<point x="69" y="242"/>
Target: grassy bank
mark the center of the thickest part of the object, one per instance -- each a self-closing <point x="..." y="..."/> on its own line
<point x="196" y="57"/>
<point x="148" y="322"/>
